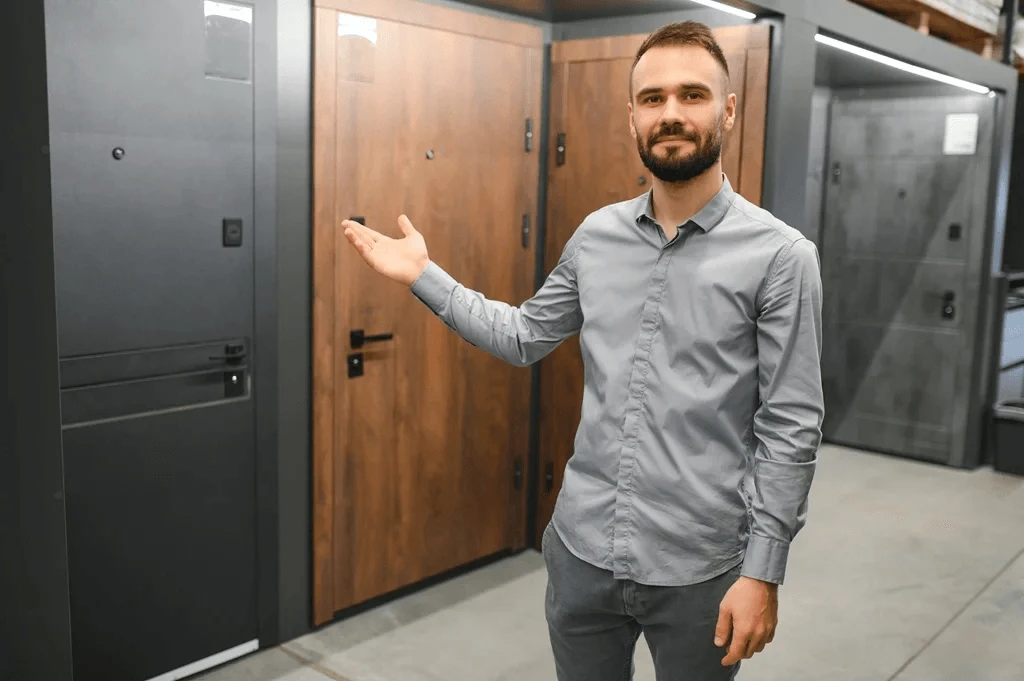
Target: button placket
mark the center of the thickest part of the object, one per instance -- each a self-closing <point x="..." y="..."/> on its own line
<point x="649" y="322"/>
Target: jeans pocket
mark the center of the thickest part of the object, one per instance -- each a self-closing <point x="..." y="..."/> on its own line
<point x="544" y="539"/>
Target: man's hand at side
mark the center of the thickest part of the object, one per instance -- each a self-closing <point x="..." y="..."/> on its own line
<point x="747" y="619"/>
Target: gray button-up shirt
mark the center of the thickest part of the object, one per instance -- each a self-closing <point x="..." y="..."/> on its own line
<point x="702" y="403"/>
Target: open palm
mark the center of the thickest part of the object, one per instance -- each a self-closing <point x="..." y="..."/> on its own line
<point x="402" y="260"/>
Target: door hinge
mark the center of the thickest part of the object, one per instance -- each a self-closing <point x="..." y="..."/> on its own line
<point x="560" y="149"/>
<point x="529" y="134"/>
<point x="517" y="474"/>
<point x="526" y="230"/>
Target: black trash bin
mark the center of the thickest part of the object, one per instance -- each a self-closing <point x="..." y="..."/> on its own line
<point x="1009" y="437"/>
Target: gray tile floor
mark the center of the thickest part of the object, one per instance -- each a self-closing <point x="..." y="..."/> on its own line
<point x="905" y="572"/>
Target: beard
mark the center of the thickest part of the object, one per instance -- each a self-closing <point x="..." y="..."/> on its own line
<point x="674" y="166"/>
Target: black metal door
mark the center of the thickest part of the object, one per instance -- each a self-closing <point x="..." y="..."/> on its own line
<point x="151" y="107"/>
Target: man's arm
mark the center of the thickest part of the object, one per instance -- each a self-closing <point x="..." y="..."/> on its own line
<point x="788" y="423"/>
<point x="519" y="335"/>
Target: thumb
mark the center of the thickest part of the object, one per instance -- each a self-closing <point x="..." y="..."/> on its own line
<point x="724" y="627"/>
<point x="406" y="226"/>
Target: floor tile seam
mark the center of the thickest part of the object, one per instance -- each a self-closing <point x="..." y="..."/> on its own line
<point x="312" y="664"/>
<point x="971" y="601"/>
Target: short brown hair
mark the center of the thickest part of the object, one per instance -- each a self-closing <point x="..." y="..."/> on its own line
<point x="682" y="34"/>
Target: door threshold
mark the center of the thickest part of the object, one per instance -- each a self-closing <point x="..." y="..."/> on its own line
<point x="210" y="662"/>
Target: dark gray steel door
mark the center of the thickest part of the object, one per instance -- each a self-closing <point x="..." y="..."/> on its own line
<point x="151" y="106"/>
<point x="901" y="254"/>
<point x="140" y="254"/>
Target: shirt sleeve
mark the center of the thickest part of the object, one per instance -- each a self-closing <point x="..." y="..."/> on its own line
<point x="519" y="335"/>
<point x="787" y="425"/>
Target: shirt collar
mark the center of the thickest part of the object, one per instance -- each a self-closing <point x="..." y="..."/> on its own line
<point x="706" y="218"/>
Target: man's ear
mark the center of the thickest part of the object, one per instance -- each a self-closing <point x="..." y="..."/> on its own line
<point x="730" y="112"/>
<point x="632" y="128"/>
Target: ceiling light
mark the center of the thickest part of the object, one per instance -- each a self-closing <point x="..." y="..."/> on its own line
<point x="902" y="66"/>
<point x="726" y="8"/>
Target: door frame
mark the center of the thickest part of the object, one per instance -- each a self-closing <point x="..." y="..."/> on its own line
<point x="411" y="12"/>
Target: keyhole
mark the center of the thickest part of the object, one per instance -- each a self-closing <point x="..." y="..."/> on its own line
<point x="902" y="193"/>
<point x="118" y="153"/>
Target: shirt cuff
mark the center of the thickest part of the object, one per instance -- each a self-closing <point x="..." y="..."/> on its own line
<point x="434" y="287"/>
<point x="765" y="559"/>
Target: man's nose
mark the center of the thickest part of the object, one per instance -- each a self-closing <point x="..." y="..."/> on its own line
<point x="673" y="111"/>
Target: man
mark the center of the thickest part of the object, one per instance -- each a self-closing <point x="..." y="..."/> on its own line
<point x="699" y="317"/>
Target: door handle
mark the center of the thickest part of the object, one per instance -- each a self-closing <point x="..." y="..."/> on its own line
<point x="232" y="360"/>
<point x="358" y="338"/>
<point x="948" y="308"/>
<point x="234" y="353"/>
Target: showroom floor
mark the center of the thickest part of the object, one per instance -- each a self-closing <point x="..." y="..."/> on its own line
<point x="905" y="572"/>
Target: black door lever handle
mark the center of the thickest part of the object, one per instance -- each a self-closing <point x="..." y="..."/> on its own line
<point x="358" y="338"/>
<point x="230" y="359"/>
<point x="233" y="353"/>
<point x="948" y="309"/>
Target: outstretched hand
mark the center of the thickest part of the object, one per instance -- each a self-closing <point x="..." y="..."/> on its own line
<point x="402" y="260"/>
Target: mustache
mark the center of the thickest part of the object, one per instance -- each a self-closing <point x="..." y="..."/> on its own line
<point x="677" y="131"/>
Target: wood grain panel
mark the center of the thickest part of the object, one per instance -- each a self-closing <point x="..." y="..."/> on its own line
<point x="427" y="15"/>
<point x="594" y="175"/>
<point x="519" y="440"/>
<point x="425" y="441"/>
<point x="927" y="19"/>
<point x="732" y="145"/>
<point x="755" y="114"/>
<point x="324" y="147"/>
<point x="601" y="167"/>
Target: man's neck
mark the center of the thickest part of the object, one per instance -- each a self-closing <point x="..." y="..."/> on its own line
<point x="676" y="203"/>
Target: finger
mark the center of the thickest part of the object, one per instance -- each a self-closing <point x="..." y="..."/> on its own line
<point x="366" y="233"/>
<point x="759" y="643"/>
<point x="724" y="627"/>
<point x="353" y="235"/>
<point x="738" y="647"/>
<point x="753" y="641"/>
<point x="364" y="250"/>
<point x="406" y="226"/>
<point x="351" y="224"/>
<point x="362" y="246"/>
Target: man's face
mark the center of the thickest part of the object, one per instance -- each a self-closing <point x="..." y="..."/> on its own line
<point x="680" y="112"/>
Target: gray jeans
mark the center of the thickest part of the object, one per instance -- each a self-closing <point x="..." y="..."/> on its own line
<point x="595" y="621"/>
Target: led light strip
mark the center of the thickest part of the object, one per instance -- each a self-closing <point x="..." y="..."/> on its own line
<point x="726" y="8"/>
<point x="902" y="66"/>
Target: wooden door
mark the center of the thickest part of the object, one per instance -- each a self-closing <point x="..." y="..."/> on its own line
<point x="601" y="165"/>
<point x="418" y="459"/>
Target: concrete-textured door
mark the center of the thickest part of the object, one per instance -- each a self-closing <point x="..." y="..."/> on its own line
<point x="902" y="247"/>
